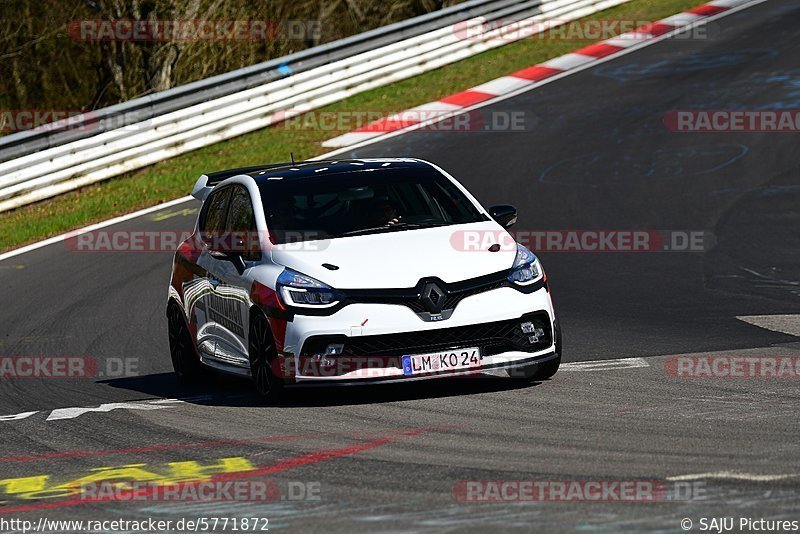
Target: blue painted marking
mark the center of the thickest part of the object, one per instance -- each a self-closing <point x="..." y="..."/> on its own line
<point x="682" y="64"/>
<point x="285" y="69"/>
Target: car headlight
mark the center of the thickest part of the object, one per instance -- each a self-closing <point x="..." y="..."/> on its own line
<point x="299" y="290"/>
<point x="526" y="269"/>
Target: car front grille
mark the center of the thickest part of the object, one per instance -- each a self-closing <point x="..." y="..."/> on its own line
<point x="454" y="293"/>
<point x="492" y="338"/>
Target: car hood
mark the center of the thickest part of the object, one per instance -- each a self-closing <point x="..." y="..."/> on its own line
<point x="400" y="259"/>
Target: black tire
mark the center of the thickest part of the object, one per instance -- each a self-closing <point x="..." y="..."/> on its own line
<point x="262" y="354"/>
<point x="536" y="372"/>
<point x="181" y="347"/>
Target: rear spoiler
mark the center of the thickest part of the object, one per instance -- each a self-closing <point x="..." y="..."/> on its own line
<point x="207" y="182"/>
<point x="201" y="188"/>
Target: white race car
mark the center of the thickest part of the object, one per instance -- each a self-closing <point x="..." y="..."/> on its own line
<point x="355" y="271"/>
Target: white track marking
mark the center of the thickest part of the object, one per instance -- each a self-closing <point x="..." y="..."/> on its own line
<point x="389" y="135"/>
<point x="151" y="404"/>
<point x="17" y="416"/>
<point x="72" y="413"/>
<point x="732" y="475"/>
<point x="786" y="324"/>
<point x="97" y="226"/>
<point x="155" y="404"/>
<point x="500" y="85"/>
<point x="681" y="19"/>
<point x="568" y="61"/>
<point x="725" y="3"/>
<point x="605" y="365"/>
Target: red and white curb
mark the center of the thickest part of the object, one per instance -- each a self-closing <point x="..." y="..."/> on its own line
<point x="532" y="75"/>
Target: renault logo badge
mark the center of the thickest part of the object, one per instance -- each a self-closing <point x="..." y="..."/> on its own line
<point x="432" y="298"/>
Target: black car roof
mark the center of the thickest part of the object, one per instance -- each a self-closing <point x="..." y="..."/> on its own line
<point x="305" y="169"/>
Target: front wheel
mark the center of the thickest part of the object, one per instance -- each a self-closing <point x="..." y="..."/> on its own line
<point x="263" y="354"/>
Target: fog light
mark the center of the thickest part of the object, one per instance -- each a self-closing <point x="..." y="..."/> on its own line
<point x="334" y="349"/>
<point x="527" y="328"/>
<point x="537" y="334"/>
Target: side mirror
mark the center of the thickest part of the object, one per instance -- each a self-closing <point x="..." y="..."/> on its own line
<point x="229" y="248"/>
<point x="504" y="214"/>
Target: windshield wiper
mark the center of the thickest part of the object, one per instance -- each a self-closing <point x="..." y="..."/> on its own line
<point x="391" y="228"/>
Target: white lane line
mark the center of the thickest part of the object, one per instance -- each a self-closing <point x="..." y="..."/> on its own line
<point x="786" y="324"/>
<point x="73" y="412"/>
<point x="605" y="365"/>
<point x="423" y="124"/>
<point x="103" y="224"/>
<point x="733" y="475"/>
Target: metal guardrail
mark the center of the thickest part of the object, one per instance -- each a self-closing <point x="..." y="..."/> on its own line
<point x="39" y="164"/>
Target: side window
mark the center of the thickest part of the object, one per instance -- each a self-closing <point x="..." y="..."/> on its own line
<point x="240" y="214"/>
<point x="213" y="221"/>
<point x="241" y="221"/>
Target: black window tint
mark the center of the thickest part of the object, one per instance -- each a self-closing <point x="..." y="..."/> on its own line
<point x="242" y="224"/>
<point x="355" y="203"/>
<point x="453" y="204"/>
<point x="240" y="213"/>
<point x="214" y="220"/>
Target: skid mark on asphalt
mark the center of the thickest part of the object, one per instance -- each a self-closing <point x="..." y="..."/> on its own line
<point x="424" y="515"/>
<point x="675" y="63"/>
<point x="28" y="340"/>
<point x="162" y="447"/>
<point x="612" y="517"/>
<point x="314" y="457"/>
<point x="751" y="406"/>
<point x="633" y="166"/>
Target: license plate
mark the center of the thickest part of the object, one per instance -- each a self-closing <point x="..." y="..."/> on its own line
<point x="448" y="360"/>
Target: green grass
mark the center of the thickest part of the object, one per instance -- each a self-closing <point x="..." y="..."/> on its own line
<point x="175" y="177"/>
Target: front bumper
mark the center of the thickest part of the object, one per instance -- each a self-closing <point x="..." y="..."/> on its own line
<point x="375" y="378"/>
<point x="374" y="337"/>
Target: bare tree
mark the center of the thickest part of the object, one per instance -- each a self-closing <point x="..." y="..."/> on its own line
<point x="44" y="66"/>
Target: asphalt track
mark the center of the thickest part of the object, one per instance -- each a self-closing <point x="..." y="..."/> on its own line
<point x="597" y="157"/>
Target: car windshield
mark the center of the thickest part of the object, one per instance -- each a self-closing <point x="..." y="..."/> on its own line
<point x="361" y="203"/>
